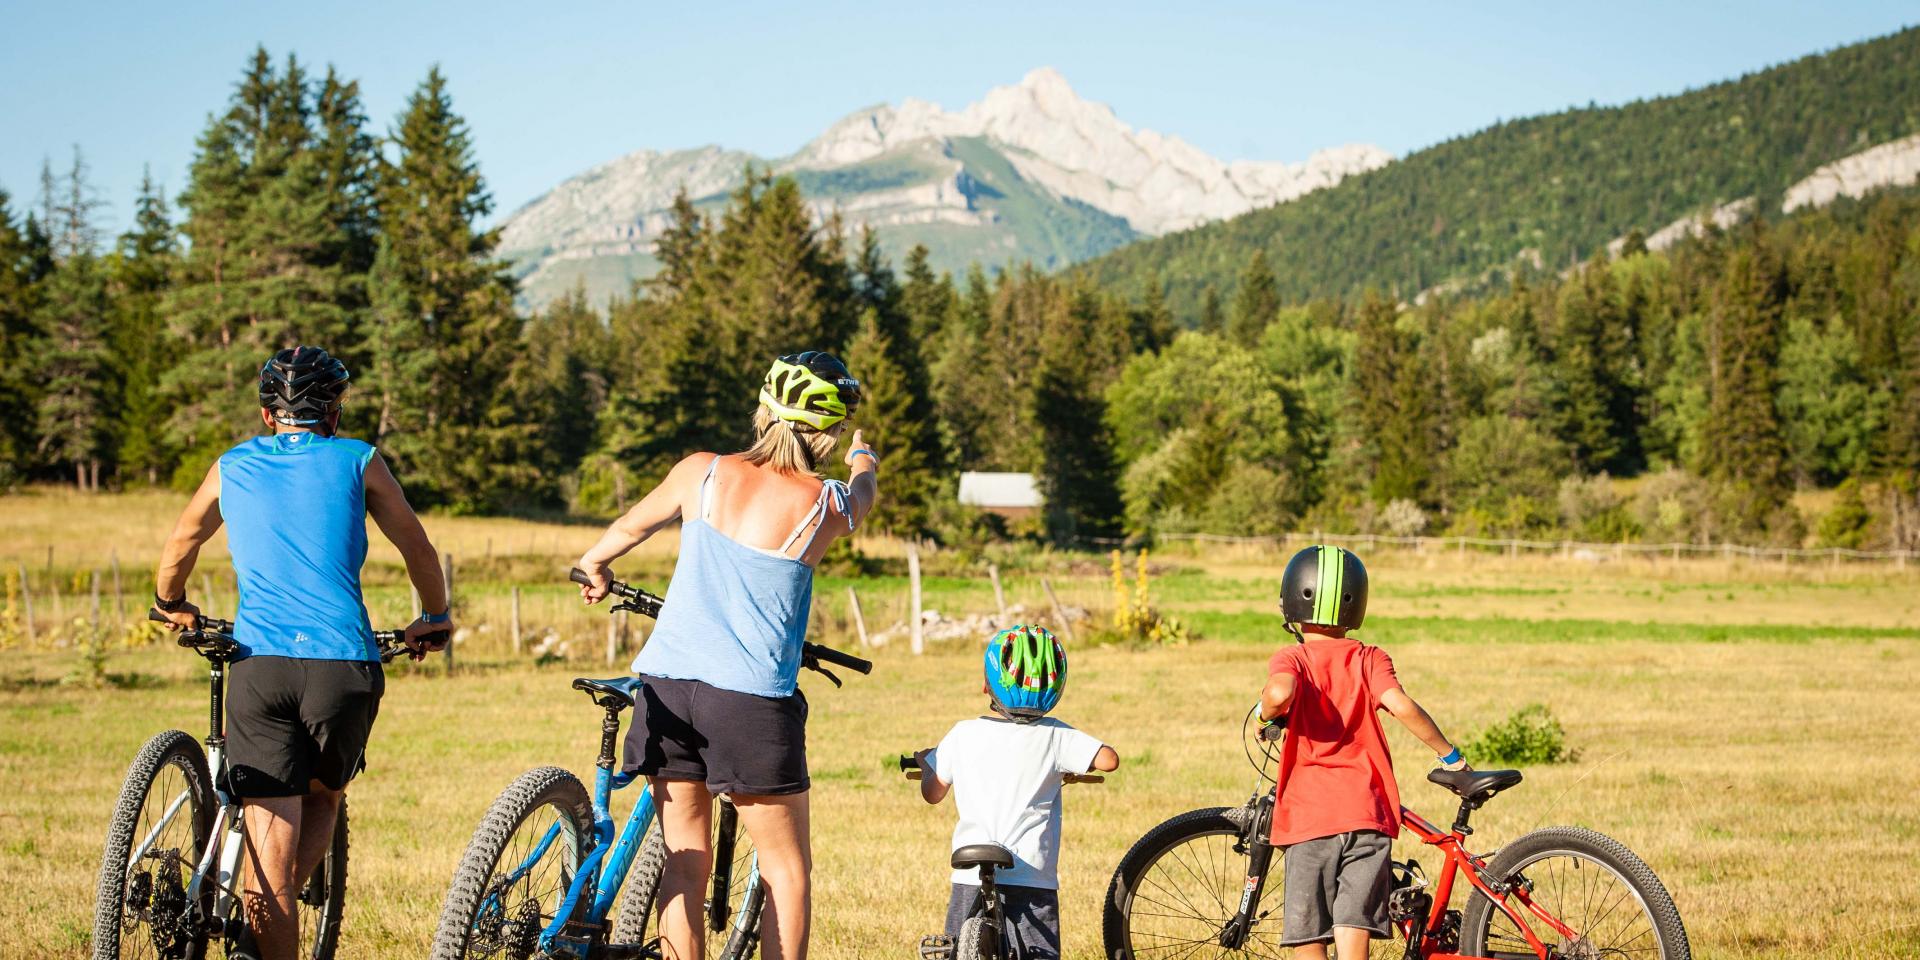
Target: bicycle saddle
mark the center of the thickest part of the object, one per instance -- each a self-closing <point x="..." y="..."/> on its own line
<point x="615" y="692"/>
<point x="1475" y="784"/>
<point x="982" y="855"/>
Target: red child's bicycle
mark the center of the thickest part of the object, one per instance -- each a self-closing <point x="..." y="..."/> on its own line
<point x="1207" y="884"/>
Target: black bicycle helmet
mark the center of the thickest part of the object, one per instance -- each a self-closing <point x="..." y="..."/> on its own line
<point x="302" y="385"/>
<point x="1326" y="586"/>
<point x="813" y="388"/>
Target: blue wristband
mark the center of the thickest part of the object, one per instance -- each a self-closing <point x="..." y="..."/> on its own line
<point x="437" y="617"/>
<point x="1453" y="757"/>
<point x="870" y="453"/>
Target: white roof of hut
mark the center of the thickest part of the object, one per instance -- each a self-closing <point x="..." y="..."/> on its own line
<point x="1003" y="490"/>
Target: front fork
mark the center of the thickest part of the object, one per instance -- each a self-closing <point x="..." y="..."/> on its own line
<point x="1257" y="844"/>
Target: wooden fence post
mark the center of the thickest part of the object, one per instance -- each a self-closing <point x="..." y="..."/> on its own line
<point x="999" y="597"/>
<point x="1059" y="612"/>
<point x="859" y="622"/>
<point x="95" y="591"/>
<point x="913" y="576"/>
<point x="119" y="598"/>
<point x="516" y="620"/>
<point x="26" y="604"/>
<point x="448" y="561"/>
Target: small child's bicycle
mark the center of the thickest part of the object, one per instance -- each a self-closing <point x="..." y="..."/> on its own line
<point x="170" y="876"/>
<point x="1205" y="884"/>
<point x="541" y="873"/>
<point x="984" y="935"/>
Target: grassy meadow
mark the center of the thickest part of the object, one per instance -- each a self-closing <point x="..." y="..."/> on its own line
<point x="1748" y="729"/>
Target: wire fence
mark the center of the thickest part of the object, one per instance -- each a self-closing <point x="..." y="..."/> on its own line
<point x="1573" y="549"/>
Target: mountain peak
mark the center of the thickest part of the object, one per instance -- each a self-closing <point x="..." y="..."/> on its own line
<point x="1048" y="80"/>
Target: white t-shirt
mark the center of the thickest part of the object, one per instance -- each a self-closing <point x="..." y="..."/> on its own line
<point x="1006" y="785"/>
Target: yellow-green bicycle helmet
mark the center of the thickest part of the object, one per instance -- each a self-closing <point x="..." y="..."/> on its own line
<point x="813" y="388"/>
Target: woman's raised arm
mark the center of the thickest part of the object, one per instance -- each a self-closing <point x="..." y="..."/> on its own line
<point x="658" y="508"/>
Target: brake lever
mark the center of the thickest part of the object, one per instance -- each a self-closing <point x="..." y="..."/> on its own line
<point x="813" y="663"/>
<point x="627" y="606"/>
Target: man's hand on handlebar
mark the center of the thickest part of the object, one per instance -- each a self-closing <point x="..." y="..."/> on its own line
<point x="184" y="618"/>
<point x="438" y="635"/>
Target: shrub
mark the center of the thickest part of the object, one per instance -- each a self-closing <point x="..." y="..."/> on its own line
<point x="1404" y="518"/>
<point x="1845" y="525"/>
<point x="1529" y="736"/>
<point x="1135" y="619"/>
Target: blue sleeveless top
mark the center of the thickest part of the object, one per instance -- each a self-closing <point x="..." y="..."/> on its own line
<point x="736" y="615"/>
<point x="295" y="506"/>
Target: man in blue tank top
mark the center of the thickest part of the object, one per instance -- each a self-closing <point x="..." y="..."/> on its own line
<point x="303" y="696"/>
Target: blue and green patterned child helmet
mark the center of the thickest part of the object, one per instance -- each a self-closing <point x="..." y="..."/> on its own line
<point x="1026" y="671"/>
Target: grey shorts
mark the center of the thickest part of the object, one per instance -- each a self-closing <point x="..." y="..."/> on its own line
<point x="1032" y="916"/>
<point x="1337" y="881"/>
<point x="735" y="743"/>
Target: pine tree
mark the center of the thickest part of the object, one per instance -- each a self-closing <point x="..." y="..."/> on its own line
<point x="73" y="360"/>
<point x="1212" y="319"/>
<point x="1255" y="303"/>
<point x="140" y="270"/>
<point x="19" y="274"/>
<point x="1744" y="450"/>
<point x="1593" y="399"/>
<point x="442" y="334"/>
<point x="268" y="264"/>
<point x="1391" y="403"/>
<point x="890" y="425"/>
<point x="929" y="302"/>
<point x="1152" y="322"/>
<point x="1077" y="476"/>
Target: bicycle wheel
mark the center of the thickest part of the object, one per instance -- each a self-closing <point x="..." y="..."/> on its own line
<point x="323" y="899"/>
<point x="1614" y="904"/>
<point x="165" y="811"/>
<point x="516" y="870"/>
<point x="1176" y="889"/>
<point x="971" y="944"/>
<point x="732" y="904"/>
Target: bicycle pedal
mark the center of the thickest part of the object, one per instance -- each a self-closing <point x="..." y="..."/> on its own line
<point x="937" y="947"/>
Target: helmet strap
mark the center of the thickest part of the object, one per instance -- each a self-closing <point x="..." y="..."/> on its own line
<point x="1294" y="629"/>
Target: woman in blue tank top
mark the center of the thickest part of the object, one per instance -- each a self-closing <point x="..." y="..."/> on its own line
<point x="722" y="711"/>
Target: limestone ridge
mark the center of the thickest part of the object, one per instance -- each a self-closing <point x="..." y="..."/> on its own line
<point x="1031" y="171"/>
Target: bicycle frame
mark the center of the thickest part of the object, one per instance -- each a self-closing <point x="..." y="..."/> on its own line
<point x="605" y="868"/>
<point x="1461" y="862"/>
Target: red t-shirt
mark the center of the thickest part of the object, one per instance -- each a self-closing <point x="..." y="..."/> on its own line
<point x="1336" y="774"/>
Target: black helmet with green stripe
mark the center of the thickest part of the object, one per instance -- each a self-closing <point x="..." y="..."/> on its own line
<point x="1326" y="586"/>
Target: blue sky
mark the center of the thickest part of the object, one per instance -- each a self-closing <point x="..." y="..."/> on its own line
<point x="553" y="88"/>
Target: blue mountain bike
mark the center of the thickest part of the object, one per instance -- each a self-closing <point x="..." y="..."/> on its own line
<point x="541" y="873"/>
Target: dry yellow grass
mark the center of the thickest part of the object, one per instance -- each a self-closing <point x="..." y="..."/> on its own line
<point x="1748" y="730"/>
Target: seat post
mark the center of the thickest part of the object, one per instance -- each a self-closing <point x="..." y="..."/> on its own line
<point x="1460" y="819"/>
<point x="609" y="736"/>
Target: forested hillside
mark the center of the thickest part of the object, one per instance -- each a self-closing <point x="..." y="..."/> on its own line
<point x="1724" y="373"/>
<point x="1557" y="187"/>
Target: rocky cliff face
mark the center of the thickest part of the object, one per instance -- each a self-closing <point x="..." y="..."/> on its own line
<point x="1032" y="171"/>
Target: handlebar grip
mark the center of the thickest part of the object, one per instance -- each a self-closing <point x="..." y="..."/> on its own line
<point x="838" y="659"/>
<point x="907" y="762"/>
<point x="615" y="587"/>
<point x="579" y="576"/>
<point x="156" y="616"/>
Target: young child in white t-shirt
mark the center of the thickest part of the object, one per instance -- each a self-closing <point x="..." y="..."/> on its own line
<point x="1005" y="771"/>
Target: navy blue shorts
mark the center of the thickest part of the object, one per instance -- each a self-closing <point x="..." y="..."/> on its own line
<point x="735" y="743"/>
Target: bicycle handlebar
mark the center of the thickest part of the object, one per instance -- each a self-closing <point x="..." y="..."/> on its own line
<point x="640" y="601"/>
<point x="911" y="766"/>
<point x="207" y="629"/>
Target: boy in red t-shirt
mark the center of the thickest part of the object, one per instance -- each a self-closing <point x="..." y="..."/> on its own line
<point x="1337" y="808"/>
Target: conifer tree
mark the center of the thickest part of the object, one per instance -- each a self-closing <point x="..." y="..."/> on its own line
<point x="140" y="270"/>
<point x="1077" y="473"/>
<point x="1152" y="324"/>
<point x="1391" y="403"/>
<point x="19" y="273"/>
<point x="1744" y="451"/>
<point x="928" y="301"/>
<point x="72" y="363"/>
<point x="887" y="419"/>
<point x="1212" y="318"/>
<point x="1255" y="303"/>
<point x="442" y="334"/>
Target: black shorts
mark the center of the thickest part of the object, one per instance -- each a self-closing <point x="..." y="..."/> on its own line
<point x="735" y="743"/>
<point x="292" y="721"/>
